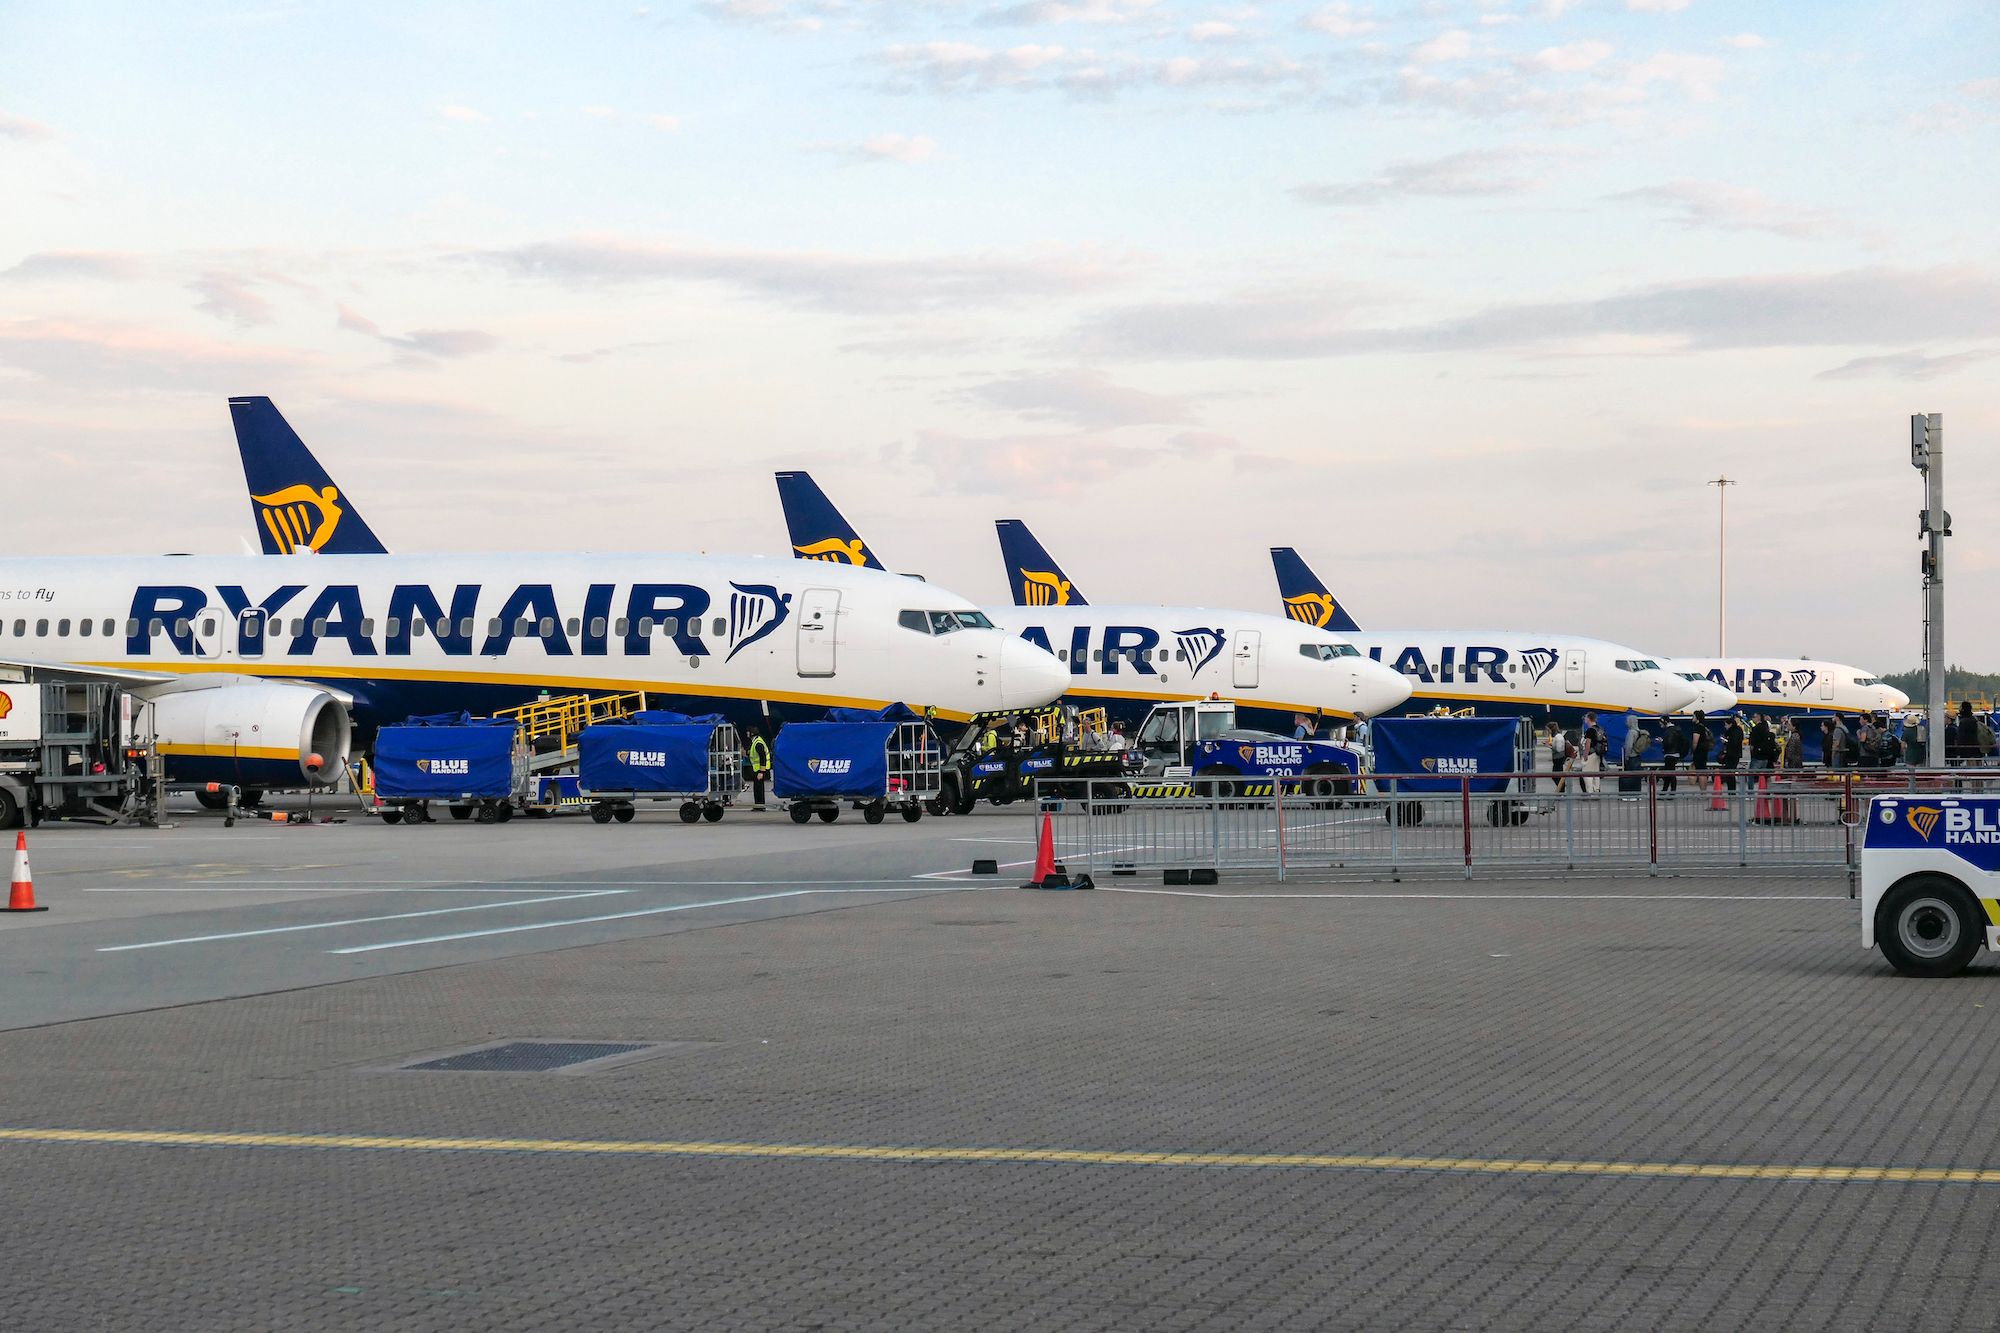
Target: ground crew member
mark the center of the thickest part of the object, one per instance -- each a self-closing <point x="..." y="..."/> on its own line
<point x="989" y="739"/>
<point x="760" y="767"/>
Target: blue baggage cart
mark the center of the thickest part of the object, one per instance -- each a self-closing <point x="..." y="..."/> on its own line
<point x="478" y="766"/>
<point x="874" y="762"/>
<point x="660" y="756"/>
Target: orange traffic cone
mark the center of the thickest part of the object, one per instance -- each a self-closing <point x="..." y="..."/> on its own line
<point x="1716" y="802"/>
<point x="22" y="896"/>
<point x="1045" y="854"/>
<point x="1763" y="814"/>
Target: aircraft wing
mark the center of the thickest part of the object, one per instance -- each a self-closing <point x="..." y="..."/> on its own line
<point x="13" y="669"/>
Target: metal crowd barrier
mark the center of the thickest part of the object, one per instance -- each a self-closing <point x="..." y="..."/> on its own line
<point x="1717" y="821"/>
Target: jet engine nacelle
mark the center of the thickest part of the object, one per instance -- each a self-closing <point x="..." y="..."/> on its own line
<point x="260" y="735"/>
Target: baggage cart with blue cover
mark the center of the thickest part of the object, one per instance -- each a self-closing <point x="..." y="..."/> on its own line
<point x="660" y="756"/>
<point x="876" y="762"/>
<point x="1441" y="754"/>
<point x="477" y="765"/>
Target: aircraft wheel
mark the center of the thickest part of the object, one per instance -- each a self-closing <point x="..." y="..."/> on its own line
<point x="1929" y="926"/>
<point x="712" y="813"/>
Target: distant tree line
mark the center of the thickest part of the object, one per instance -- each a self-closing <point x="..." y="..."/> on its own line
<point x="1958" y="682"/>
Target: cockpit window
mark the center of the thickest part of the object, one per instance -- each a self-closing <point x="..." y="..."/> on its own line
<point x="974" y="620"/>
<point x="942" y="622"/>
<point x="1866" y="680"/>
<point x="915" y="620"/>
<point x="1327" y="652"/>
<point x="1638" y="664"/>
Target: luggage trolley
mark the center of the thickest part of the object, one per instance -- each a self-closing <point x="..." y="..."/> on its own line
<point x="876" y="762"/>
<point x="478" y="765"/>
<point x="660" y="756"/>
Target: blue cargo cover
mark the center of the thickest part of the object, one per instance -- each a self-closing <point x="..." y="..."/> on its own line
<point x="1451" y="747"/>
<point x="836" y="759"/>
<point x="432" y="760"/>
<point x="670" y="757"/>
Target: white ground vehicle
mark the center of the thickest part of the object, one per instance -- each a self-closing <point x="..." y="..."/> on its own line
<point x="1930" y="880"/>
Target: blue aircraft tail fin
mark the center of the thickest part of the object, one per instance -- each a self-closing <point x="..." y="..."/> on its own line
<point x="294" y="505"/>
<point x="1033" y="574"/>
<point x="1307" y="599"/>
<point x="816" y="528"/>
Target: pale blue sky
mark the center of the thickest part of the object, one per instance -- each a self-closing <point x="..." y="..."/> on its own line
<point x="1465" y="299"/>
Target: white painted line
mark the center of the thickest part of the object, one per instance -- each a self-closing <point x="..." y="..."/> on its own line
<point x="530" y="885"/>
<point x="1016" y="842"/>
<point x="329" y="890"/>
<point x="1520" y="897"/>
<point x="626" y="916"/>
<point x="352" y="921"/>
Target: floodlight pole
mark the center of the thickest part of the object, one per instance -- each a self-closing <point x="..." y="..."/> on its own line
<point x="1927" y="456"/>
<point x="1722" y="485"/>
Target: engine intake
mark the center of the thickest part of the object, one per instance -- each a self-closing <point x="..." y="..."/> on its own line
<point x="255" y="734"/>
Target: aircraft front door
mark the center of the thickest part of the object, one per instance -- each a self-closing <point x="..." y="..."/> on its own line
<point x="1249" y="648"/>
<point x="1826" y="687"/>
<point x="819" y="615"/>
<point x="1573" y="670"/>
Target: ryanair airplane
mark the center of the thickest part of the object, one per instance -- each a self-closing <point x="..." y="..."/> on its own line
<point x="1800" y="687"/>
<point x="257" y="670"/>
<point x="256" y="665"/>
<point x="1128" y="658"/>
<point x="1498" y="671"/>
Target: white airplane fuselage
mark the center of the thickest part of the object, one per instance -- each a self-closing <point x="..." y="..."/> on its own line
<point x="1796" y="686"/>
<point x="1506" y="672"/>
<point x="394" y="635"/>
<point x="1128" y="658"/>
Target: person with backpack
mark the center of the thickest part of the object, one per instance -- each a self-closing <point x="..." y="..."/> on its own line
<point x="1593" y="746"/>
<point x="1983" y="738"/>
<point x="1763" y="746"/>
<point x="1732" y="752"/>
<point x="1633" y="755"/>
<point x="1671" y="745"/>
<point x="1700" y="744"/>
<point x="1558" y="753"/>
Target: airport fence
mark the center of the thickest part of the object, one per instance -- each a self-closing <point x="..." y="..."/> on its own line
<point x="1654" y="823"/>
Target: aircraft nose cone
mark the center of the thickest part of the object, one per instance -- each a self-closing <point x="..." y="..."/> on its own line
<point x="1895" y="700"/>
<point x="1377" y="689"/>
<point x="1675" y="693"/>
<point x="1030" y="676"/>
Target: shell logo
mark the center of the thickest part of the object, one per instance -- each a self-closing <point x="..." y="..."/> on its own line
<point x="6" y="705"/>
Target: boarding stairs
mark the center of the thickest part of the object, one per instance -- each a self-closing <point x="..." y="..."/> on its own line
<point x="550" y="726"/>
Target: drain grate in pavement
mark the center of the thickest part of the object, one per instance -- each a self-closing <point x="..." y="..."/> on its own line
<point x="530" y="1057"/>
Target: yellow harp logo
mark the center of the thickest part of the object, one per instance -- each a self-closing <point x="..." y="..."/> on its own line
<point x="1312" y="608"/>
<point x="1044" y="589"/>
<point x="835" y="551"/>
<point x="1923" y="818"/>
<point x="300" y="516"/>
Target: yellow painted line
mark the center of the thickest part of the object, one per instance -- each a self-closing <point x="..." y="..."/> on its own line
<point x="838" y="1152"/>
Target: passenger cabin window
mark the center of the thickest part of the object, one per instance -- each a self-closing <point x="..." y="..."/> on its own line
<point x="719" y="626"/>
<point x="575" y="625"/>
<point x="83" y="627"/>
<point x="62" y="628"/>
<point x="671" y="626"/>
<point x="41" y="629"/>
<point x="393" y="626"/>
<point x="547" y="625"/>
<point x="597" y="627"/>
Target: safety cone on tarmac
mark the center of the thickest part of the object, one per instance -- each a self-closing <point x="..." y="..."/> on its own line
<point x="1048" y="874"/>
<point x="21" y="898"/>
<point x="1763" y="814"/>
<point x="1716" y="802"/>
